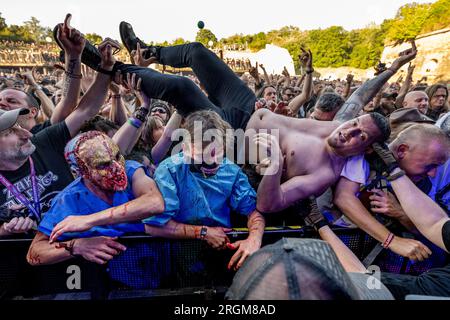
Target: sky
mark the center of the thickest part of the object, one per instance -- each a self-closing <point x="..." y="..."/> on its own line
<point x="159" y="20"/>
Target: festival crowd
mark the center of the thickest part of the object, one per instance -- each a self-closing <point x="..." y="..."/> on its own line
<point x="88" y="154"/>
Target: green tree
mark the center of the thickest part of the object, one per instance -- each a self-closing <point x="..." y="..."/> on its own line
<point x="35" y="30"/>
<point x="94" y="38"/>
<point x="3" y="24"/>
<point x="204" y="36"/>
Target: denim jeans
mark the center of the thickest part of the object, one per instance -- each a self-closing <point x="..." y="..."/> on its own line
<point x="227" y="94"/>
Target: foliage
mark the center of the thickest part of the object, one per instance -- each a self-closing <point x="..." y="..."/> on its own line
<point x="204" y="36"/>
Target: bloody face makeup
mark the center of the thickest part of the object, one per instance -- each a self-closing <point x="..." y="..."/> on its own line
<point x="99" y="160"/>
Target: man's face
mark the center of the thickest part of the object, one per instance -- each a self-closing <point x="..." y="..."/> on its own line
<point x="15" y="144"/>
<point x="14" y="99"/>
<point x="207" y="157"/>
<point x="354" y="136"/>
<point x="388" y="104"/>
<point x="104" y="165"/>
<point x="58" y="96"/>
<point x="288" y="95"/>
<point x="339" y="90"/>
<point x="297" y="91"/>
<point x="438" y="99"/>
<point x="270" y="94"/>
<point x="159" y="112"/>
<point x="416" y="99"/>
<point x="420" y="160"/>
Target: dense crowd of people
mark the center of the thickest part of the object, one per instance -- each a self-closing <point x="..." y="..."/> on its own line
<point x="93" y="151"/>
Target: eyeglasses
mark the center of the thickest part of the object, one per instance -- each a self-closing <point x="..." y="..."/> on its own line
<point x="159" y="110"/>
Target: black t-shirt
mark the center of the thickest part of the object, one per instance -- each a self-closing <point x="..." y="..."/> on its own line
<point x="41" y="126"/>
<point x="52" y="171"/>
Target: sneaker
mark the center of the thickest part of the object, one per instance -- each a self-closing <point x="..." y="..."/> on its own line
<point x="130" y="41"/>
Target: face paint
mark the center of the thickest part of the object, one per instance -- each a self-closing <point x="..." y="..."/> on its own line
<point x="100" y="161"/>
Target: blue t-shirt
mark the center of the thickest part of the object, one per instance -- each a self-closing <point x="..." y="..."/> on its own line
<point x="76" y="200"/>
<point x="191" y="198"/>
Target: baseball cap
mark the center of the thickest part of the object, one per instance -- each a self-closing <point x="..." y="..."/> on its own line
<point x="9" y="118"/>
<point x="301" y="269"/>
<point x="404" y="115"/>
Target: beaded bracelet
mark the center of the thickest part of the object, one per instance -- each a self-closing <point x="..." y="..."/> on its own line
<point x="135" y="122"/>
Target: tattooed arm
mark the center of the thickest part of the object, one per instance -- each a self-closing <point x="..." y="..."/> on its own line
<point x="148" y="201"/>
<point x="73" y="43"/>
<point x="368" y="90"/>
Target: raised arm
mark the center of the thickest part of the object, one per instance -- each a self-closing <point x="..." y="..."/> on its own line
<point x="95" y="97"/>
<point x="73" y="43"/>
<point x="370" y="88"/>
<point x="405" y="87"/>
<point x="47" y="105"/>
<point x="118" y="112"/>
<point x="348" y="85"/>
<point x="301" y="99"/>
<point x="127" y="136"/>
<point x="266" y="76"/>
<point x="159" y="151"/>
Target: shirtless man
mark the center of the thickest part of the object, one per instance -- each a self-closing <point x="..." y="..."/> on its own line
<point x="312" y="154"/>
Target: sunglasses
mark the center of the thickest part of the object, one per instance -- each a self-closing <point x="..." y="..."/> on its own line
<point x="159" y="110"/>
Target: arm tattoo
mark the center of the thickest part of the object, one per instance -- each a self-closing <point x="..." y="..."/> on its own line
<point x="67" y="79"/>
<point x="362" y="96"/>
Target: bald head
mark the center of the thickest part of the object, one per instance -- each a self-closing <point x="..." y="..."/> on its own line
<point x="416" y="99"/>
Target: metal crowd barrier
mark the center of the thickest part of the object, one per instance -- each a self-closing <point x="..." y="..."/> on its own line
<point x="153" y="268"/>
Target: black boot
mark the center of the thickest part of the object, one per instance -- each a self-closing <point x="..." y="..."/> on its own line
<point x="130" y="41"/>
<point x="90" y="55"/>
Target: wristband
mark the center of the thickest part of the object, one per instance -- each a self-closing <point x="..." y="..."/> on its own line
<point x="388" y="240"/>
<point x="321" y="223"/>
<point x="203" y="232"/>
<point x="141" y="113"/>
<point x="135" y="122"/>
<point x="116" y="96"/>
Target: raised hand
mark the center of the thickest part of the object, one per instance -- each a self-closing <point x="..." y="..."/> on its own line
<point x="106" y="51"/>
<point x="349" y="78"/>
<point x="133" y="84"/>
<point x="253" y="71"/>
<point x="137" y="57"/>
<point x="404" y="57"/>
<point x="30" y="77"/>
<point x="88" y="77"/>
<point x="71" y="39"/>
<point x="306" y="60"/>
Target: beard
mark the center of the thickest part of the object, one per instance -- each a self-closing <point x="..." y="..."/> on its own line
<point x="20" y="153"/>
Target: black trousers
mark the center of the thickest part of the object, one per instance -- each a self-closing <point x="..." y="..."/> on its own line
<point x="227" y="94"/>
